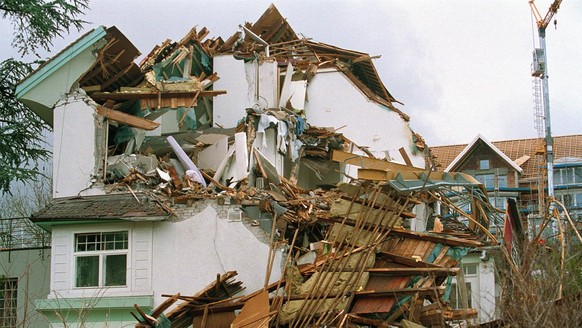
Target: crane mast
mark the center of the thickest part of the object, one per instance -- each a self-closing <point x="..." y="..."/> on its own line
<point x="540" y="70"/>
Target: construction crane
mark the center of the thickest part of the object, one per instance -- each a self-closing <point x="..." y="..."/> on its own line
<point x="540" y="71"/>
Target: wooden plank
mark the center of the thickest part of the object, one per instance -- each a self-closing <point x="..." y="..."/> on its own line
<point x="354" y="318"/>
<point x="369" y="163"/>
<point x="405" y="260"/>
<point x="405" y="157"/>
<point x="165" y="305"/>
<point x="154" y="95"/>
<point x="255" y="312"/>
<point x="203" y="291"/>
<point x="147" y="318"/>
<point x="400" y="292"/>
<point x="215" y="320"/>
<point x="127" y="119"/>
<point x="420" y="248"/>
<point x="375" y="175"/>
<point x="436" y="238"/>
<point x="439" y="272"/>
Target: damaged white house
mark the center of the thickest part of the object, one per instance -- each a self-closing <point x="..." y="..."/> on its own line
<point x="159" y="169"/>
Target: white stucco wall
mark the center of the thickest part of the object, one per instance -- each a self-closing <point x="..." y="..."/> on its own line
<point x="188" y="254"/>
<point x="239" y="79"/>
<point x="229" y="108"/>
<point x="334" y="101"/>
<point x="182" y="256"/>
<point x="139" y="260"/>
<point x="74" y="150"/>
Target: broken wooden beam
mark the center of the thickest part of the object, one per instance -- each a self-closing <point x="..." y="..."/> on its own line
<point x="436" y="238"/>
<point x="369" y="163"/>
<point x="426" y="272"/>
<point x="154" y="95"/>
<point x="127" y="119"/>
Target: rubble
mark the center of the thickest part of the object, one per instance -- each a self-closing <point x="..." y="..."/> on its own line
<point x="350" y="261"/>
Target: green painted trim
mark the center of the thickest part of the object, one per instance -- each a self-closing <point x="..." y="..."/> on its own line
<point x="48" y="225"/>
<point x="59" y="61"/>
<point x="114" y="302"/>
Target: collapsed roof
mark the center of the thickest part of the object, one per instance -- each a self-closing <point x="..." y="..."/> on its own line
<point x="363" y="266"/>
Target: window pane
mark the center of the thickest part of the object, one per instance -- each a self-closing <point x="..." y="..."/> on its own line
<point x="453" y="297"/>
<point x="567" y="200"/>
<point x="115" y="240"/>
<point x="557" y="177"/>
<point x="87" y="242"/>
<point x="579" y="200"/>
<point x="501" y="202"/>
<point x="8" y="302"/>
<point x="569" y="176"/>
<point x="470" y="268"/>
<point x="87" y="271"/>
<point x="115" y="270"/>
<point x="468" y="284"/>
<point x="484" y="164"/>
<point x="502" y="181"/>
<point x="578" y="175"/>
<point x="486" y="179"/>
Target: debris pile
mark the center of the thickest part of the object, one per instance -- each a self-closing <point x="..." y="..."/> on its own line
<point x="353" y="263"/>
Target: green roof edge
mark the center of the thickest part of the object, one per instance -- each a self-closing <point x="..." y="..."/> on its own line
<point x="59" y="60"/>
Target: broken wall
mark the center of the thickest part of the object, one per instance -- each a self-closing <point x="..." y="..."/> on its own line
<point x="75" y="156"/>
<point x="334" y="101"/>
<point x="239" y="79"/>
<point x="205" y="239"/>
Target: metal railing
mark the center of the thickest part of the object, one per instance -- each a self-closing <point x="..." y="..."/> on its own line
<point x="21" y="233"/>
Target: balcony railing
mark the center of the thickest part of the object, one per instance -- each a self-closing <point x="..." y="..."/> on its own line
<point x="21" y="233"/>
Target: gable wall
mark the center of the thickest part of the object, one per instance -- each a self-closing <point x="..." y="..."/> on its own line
<point x="333" y="101"/>
<point x="497" y="165"/>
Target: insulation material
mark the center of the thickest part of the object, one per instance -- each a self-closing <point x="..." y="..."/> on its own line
<point x="211" y="157"/>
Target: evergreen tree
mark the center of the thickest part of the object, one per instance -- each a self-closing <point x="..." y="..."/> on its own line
<point x="36" y="23"/>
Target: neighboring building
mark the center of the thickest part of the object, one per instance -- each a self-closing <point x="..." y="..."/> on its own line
<point x="512" y="169"/>
<point x="24" y="272"/>
<point x="516" y="169"/>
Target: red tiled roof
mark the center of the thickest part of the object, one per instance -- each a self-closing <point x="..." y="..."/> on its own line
<point x="564" y="147"/>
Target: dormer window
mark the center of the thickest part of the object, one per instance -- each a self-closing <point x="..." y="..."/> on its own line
<point x="484" y="164"/>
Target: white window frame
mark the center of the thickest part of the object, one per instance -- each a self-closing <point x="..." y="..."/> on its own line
<point x="8" y="302"/>
<point x="101" y="254"/>
<point x="454" y="302"/>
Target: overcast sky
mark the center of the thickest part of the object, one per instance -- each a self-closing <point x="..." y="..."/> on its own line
<point x="460" y="67"/>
